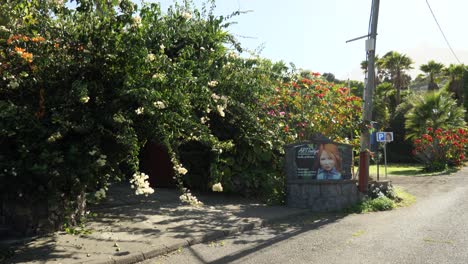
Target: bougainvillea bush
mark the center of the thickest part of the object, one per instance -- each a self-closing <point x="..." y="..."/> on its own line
<point x="439" y="148"/>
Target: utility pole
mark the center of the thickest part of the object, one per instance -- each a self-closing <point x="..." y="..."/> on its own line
<point x="364" y="155"/>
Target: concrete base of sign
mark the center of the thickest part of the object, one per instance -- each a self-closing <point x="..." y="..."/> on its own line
<point x="322" y="195"/>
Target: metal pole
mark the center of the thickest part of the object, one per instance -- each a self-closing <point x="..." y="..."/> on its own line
<point x="367" y="108"/>
<point x="385" y="157"/>
<point x="377" y="159"/>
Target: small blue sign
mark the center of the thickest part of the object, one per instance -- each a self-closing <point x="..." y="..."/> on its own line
<point x="380" y="136"/>
<point x="384" y="136"/>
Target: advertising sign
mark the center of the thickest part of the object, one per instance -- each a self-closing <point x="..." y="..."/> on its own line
<point x="321" y="161"/>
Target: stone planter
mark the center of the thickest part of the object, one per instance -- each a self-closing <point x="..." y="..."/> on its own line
<point x="322" y="196"/>
<point x="318" y="175"/>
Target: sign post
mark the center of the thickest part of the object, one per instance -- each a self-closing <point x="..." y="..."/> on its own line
<point x="385" y="137"/>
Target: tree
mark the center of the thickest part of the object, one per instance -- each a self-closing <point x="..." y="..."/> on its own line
<point x="433" y="110"/>
<point x="432" y="69"/>
<point x="455" y="85"/>
<point x="330" y="77"/>
<point x="394" y="65"/>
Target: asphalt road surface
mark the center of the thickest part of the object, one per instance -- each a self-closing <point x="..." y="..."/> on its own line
<point x="433" y="230"/>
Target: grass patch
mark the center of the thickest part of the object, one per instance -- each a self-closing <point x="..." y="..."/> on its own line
<point x="406" y="170"/>
<point x="384" y="203"/>
<point x="397" y="169"/>
<point x="406" y="199"/>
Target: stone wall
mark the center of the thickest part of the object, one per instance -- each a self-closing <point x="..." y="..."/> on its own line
<point x="29" y="216"/>
<point x="323" y="195"/>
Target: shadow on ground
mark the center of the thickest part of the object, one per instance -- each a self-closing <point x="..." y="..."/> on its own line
<point x="126" y="224"/>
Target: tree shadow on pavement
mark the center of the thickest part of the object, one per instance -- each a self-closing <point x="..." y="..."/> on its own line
<point x="143" y="223"/>
<point x="275" y="232"/>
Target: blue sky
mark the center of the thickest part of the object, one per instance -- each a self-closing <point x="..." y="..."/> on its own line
<point x="312" y="33"/>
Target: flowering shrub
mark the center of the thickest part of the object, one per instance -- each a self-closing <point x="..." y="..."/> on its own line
<point x="439" y="148"/>
<point x="307" y="106"/>
<point x="84" y="89"/>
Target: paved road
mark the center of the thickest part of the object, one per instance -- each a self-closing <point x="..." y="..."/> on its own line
<point x="434" y="230"/>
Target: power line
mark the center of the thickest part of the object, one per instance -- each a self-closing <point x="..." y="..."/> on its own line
<point x="441" y="31"/>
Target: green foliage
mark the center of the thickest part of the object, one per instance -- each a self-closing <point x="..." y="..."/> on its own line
<point x="383" y="199"/>
<point x="378" y="204"/>
<point x="432" y="69"/>
<point x="84" y="89"/>
<point x="434" y="110"/>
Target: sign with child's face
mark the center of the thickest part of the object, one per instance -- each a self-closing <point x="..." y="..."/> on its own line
<point x="319" y="161"/>
<point x="304" y="160"/>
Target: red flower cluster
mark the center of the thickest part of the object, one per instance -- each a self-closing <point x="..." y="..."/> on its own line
<point x="443" y="146"/>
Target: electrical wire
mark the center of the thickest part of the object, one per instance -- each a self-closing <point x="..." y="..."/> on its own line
<point x="441" y="31"/>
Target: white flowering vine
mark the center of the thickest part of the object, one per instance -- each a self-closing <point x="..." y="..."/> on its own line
<point x="217" y="187"/>
<point x="151" y="57"/>
<point x="188" y="198"/>
<point x="102" y="160"/>
<point x="84" y="99"/>
<point x="187" y="15"/>
<point x="54" y="137"/>
<point x="100" y="194"/>
<point x="220" y="110"/>
<point x="140" y="110"/>
<point x="139" y="182"/>
<point x="212" y="83"/>
<point x="159" y="105"/>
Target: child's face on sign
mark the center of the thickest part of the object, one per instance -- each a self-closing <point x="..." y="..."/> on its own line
<point x="327" y="162"/>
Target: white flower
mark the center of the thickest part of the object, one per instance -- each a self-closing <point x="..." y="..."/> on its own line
<point x="162" y="47"/>
<point x="212" y="83"/>
<point x="54" y="137"/>
<point x="151" y="57"/>
<point x="84" y="99"/>
<point x="182" y="170"/>
<point x="3" y="28"/>
<point x="102" y="160"/>
<point x="137" y="21"/>
<point x="140" y="184"/>
<point x="233" y="55"/>
<point x="202" y="48"/>
<point x="159" y="76"/>
<point x="14" y="84"/>
<point x="190" y="199"/>
<point x="220" y="109"/>
<point x="159" y="105"/>
<point x="92" y="152"/>
<point x="187" y="15"/>
<point x="204" y="119"/>
<point x="140" y="110"/>
<point x="217" y="187"/>
<point x="215" y="97"/>
<point x="100" y="194"/>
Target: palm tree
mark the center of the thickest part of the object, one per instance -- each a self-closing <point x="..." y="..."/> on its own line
<point x="394" y="65"/>
<point x="432" y="69"/>
<point x="435" y="110"/>
<point x="378" y="67"/>
<point x="455" y="73"/>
